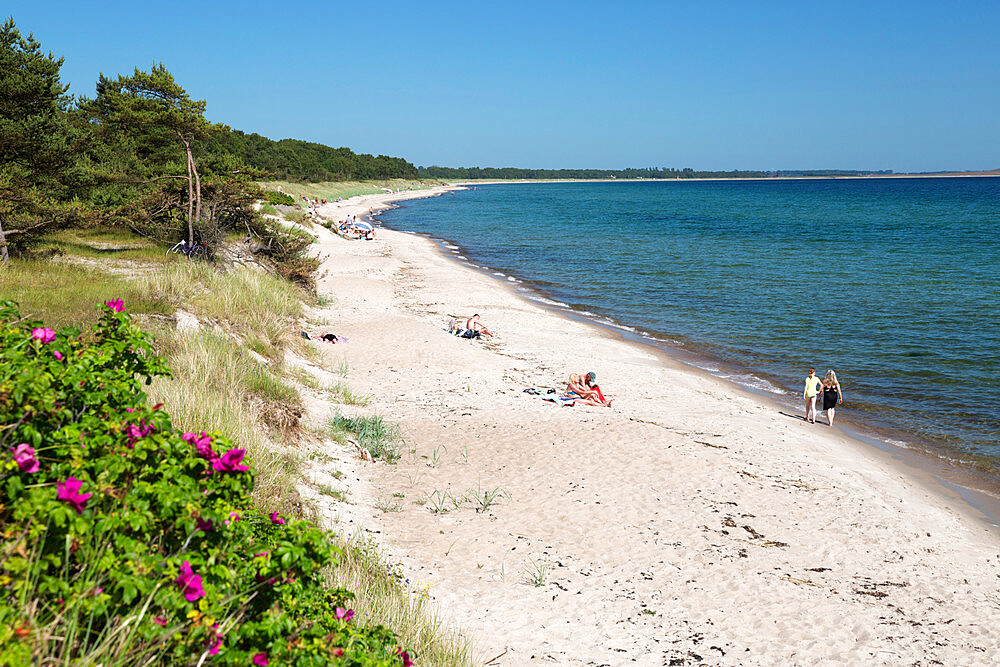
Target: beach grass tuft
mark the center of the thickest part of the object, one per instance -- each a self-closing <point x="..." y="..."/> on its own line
<point x="382" y="440"/>
<point x="536" y="572"/>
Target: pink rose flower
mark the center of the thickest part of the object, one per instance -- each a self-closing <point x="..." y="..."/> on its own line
<point x="43" y="334"/>
<point x="24" y="457"/>
<point x="404" y="656"/>
<point x="159" y="620"/>
<point x="260" y="659"/>
<point x="136" y="432"/>
<point x="231" y="461"/>
<point x="69" y="491"/>
<point x="57" y="354"/>
<point x="190" y="583"/>
<point x="344" y="614"/>
<point x="116" y="305"/>
<point x="202" y="445"/>
<point x="277" y="520"/>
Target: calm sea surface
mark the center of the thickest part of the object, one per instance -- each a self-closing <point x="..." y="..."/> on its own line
<point x="894" y="283"/>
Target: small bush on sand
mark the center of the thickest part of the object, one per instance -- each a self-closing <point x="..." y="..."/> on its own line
<point x="274" y="197"/>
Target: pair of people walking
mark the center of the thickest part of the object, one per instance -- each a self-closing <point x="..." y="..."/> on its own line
<point x="829" y="387"/>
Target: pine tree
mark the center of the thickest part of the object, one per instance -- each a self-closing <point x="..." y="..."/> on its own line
<point x="37" y="143"/>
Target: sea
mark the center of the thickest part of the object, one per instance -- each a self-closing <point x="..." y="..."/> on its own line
<point x="892" y="282"/>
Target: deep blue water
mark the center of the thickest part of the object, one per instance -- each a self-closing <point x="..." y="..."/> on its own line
<point x="894" y="283"/>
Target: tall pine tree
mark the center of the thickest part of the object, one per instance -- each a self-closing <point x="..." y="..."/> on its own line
<point x="37" y="143"/>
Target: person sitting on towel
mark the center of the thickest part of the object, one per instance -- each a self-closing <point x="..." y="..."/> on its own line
<point x="585" y="386"/>
<point x="474" y="328"/>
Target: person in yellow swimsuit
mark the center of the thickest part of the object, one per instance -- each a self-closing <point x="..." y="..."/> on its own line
<point x="813" y="385"/>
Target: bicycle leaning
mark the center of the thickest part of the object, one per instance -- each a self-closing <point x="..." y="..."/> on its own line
<point x="197" y="251"/>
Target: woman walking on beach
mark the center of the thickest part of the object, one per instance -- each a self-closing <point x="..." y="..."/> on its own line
<point x="813" y="385"/>
<point x="831" y="395"/>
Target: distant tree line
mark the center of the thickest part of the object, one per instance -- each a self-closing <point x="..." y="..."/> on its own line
<point x="515" y="173"/>
<point x="295" y="160"/>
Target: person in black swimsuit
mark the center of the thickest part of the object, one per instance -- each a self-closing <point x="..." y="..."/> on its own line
<point x="832" y="396"/>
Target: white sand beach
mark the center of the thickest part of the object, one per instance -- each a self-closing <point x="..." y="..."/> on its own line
<point x="690" y="523"/>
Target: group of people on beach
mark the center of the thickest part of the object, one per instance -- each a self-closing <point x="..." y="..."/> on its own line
<point x="829" y="388"/>
<point x="350" y="226"/>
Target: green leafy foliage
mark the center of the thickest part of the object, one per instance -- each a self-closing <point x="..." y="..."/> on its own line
<point x="273" y="197"/>
<point x="126" y="541"/>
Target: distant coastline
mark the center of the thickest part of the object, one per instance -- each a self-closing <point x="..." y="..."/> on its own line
<point x="960" y="174"/>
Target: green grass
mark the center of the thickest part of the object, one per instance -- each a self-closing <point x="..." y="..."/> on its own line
<point x="216" y="385"/>
<point x="336" y="494"/>
<point x="382" y="439"/>
<point x="111" y="245"/>
<point x="332" y="189"/>
<point x="342" y="393"/>
<point x="295" y="216"/>
<point x="62" y="294"/>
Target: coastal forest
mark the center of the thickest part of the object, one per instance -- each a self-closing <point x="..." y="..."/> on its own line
<point x="140" y="154"/>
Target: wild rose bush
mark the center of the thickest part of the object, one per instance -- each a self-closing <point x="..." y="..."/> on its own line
<point x="126" y="541"/>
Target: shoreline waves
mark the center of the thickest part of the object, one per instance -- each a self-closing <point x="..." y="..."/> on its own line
<point x="691" y="522"/>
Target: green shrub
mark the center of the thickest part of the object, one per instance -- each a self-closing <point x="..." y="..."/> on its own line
<point x="274" y="197"/>
<point x="126" y="541"/>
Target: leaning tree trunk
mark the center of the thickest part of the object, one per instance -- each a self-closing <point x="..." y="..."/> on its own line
<point x="4" y="257"/>
<point x="190" y="167"/>
<point x="197" y="189"/>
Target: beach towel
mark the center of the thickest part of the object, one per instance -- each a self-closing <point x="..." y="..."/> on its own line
<point x="564" y="401"/>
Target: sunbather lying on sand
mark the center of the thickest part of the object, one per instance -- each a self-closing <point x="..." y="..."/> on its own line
<point x="586" y="388"/>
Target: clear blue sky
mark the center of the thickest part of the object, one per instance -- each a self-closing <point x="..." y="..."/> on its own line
<point x="714" y="85"/>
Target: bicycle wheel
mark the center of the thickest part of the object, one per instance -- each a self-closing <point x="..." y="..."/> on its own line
<point x="197" y="252"/>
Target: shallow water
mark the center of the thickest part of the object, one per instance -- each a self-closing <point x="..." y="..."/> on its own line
<point x="894" y="283"/>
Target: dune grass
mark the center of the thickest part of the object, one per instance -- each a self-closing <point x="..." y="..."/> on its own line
<point x="63" y="294"/>
<point x="256" y="306"/>
<point x="384" y="596"/>
<point x="330" y="190"/>
<point x="382" y="440"/>
<point x="105" y="244"/>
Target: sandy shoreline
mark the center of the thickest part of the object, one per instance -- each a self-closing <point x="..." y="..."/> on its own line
<point x="692" y="523"/>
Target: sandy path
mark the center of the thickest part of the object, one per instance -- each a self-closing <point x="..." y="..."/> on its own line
<point x="690" y="524"/>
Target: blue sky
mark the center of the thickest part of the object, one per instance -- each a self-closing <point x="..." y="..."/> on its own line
<point x="909" y="86"/>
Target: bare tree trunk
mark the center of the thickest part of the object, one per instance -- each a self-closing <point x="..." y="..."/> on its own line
<point x="4" y="257"/>
<point x="190" y="165"/>
<point x="197" y="185"/>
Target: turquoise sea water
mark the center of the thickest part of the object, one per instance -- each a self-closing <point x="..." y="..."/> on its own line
<point x="894" y="283"/>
